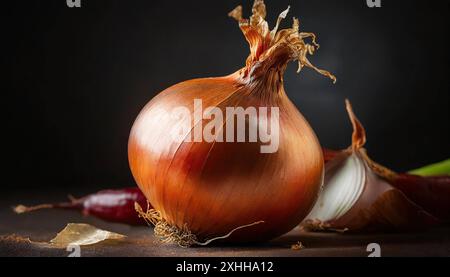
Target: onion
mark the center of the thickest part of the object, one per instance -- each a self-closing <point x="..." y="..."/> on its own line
<point x="206" y="189"/>
<point x="360" y="194"/>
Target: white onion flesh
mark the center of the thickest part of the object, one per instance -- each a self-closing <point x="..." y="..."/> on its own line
<point x="343" y="186"/>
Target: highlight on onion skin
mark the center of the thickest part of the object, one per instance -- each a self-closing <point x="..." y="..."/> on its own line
<point x="361" y="195"/>
<point x="210" y="188"/>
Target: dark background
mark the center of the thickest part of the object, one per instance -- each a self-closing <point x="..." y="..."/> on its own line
<point x="77" y="78"/>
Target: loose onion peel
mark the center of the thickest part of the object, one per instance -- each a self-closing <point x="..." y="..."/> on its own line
<point x="360" y="194"/>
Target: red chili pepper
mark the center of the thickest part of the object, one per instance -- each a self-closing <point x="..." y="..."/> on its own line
<point x="115" y="205"/>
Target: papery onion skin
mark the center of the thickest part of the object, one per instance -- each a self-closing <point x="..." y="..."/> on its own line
<point x="382" y="207"/>
<point x="212" y="188"/>
<point x="385" y="204"/>
<point x="432" y="193"/>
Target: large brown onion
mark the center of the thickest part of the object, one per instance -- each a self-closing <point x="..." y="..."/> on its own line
<point x="208" y="189"/>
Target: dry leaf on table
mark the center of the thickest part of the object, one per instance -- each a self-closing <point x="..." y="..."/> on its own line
<point x="82" y="234"/>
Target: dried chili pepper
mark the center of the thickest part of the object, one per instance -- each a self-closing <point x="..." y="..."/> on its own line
<point x="115" y="205"/>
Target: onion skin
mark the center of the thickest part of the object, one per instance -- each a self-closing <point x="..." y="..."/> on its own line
<point x="432" y="193"/>
<point x="211" y="188"/>
<point x="329" y="154"/>
<point x="388" y="201"/>
<point x="382" y="207"/>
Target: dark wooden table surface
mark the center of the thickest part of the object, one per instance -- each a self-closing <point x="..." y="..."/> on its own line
<point x="44" y="225"/>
